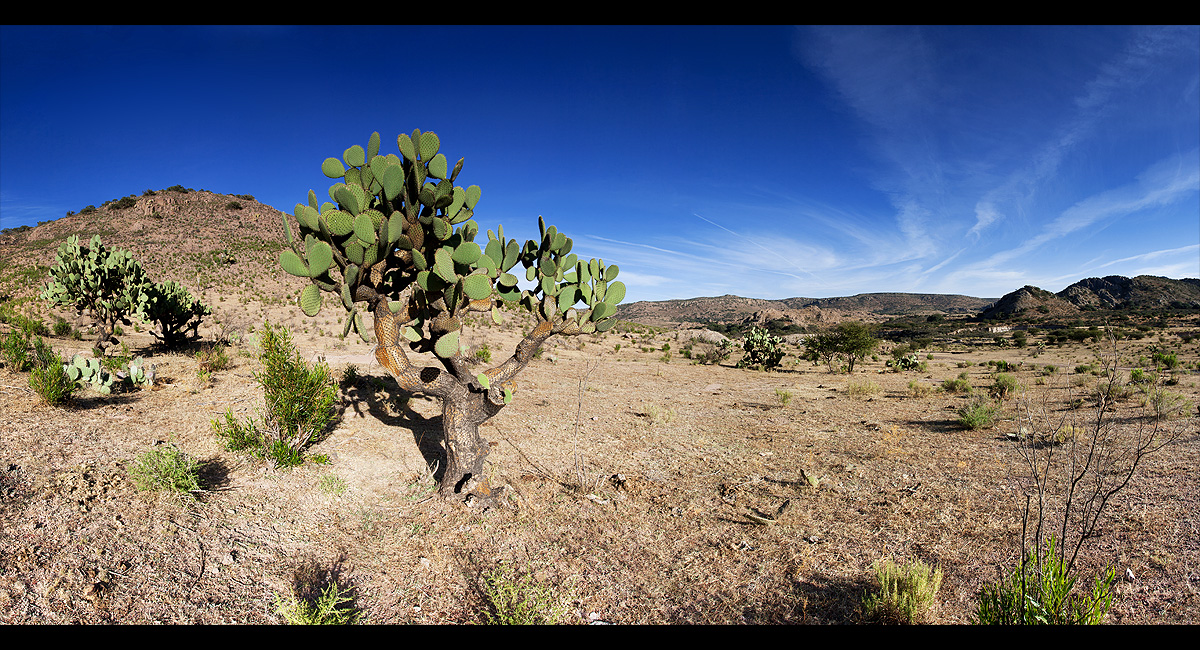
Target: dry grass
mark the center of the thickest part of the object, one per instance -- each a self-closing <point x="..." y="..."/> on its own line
<point x="680" y="494"/>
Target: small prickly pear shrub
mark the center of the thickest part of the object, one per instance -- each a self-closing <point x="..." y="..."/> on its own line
<point x="762" y="349"/>
<point x="92" y="279"/>
<point x="397" y="241"/>
<point x="909" y="362"/>
<point x="176" y="312"/>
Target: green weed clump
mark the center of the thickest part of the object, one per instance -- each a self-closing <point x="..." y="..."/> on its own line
<point x="979" y="414"/>
<point x="1005" y="385"/>
<point x="299" y="403"/>
<point x="520" y="601"/>
<point x="165" y="469"/>
<point x="1041" y="591"/>
<point x="960" y="385"/>
<point x="48" y="378"/>
<point x="904" y="594"/>
<point x="327" y="609"/>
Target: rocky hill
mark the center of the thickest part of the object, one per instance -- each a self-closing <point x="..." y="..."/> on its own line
<point x="1112" y="292"/>
<point x="865" y="306"/>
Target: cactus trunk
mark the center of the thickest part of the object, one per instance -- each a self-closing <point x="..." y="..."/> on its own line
<point x="466" y="450"/>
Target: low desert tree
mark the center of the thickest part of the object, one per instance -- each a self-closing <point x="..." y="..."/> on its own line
<point x="851" y="340"/>
<point x="103" y="283"/>
<point x="855" y="341"/>
<point x="398" y="241"/>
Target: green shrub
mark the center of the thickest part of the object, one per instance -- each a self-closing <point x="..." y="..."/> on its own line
<point x="1041" y="591"/>
<point x="918" y="389"/>
<point x="165" y="469"/>
<point x="862" y="389"/>
<point x="327" y="609"/>
<point x="784" y="396"/>
<point x="14" y="350"/>
<point x="520" y="601"/>
<point x="484" y="353"/>
<point x="298" y="404"/>
<point x="1005" y="385"/>
<point x="61" y="326"/>
<point x="904" y="594"/>
<point x="979" y="414"/>
<point x="960" y="385"/>
<point x="49" y="378"/>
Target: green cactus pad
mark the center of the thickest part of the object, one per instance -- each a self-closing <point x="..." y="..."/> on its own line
<point x="393" y="181"/>
<point x="406" y="147"/>
<point x="437" y="166"/>
<point x="443" y="266"/>
<point x="332" y="167"/>
<point x="373" y="145"/>
<point x="483" y="381"/>
<point x="447" y="346"/>
<point x="477" y="286"/>
<point x="292" y="263"/>
<point x="310" y="300"/>
<point x="467" y="253"/>
<point x="429" y="145"/>
<point x="615" y="293"/>
<point x="364" y="230"/>
<point x="355" y="156"/>
<point x="320" y="257"/>
<point x="340" y="223"/>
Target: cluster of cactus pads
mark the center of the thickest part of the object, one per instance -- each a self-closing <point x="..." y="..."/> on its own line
<point x="397" y="226"/>
<point x="89" y="371"/>
<point x="112" y="287"/>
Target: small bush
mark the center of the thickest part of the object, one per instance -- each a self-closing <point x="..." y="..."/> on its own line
<point x="520" y="601"/>
<point x="213" y="358"/>
<point x="61" y="326"/>
<point x="1165" y="404"/>
<point x="904" y="594"/>
<point x="484" y="353"/>
<point x="918" y="389"/>
<point x="1043" y="593"/>
<point x="328" y="609"/>
<point x="979" y="414"/>
<point x="49" y="379"/>
<point x="299" y="404"/>
<point x="1006" y="385"/>
<point x="165" y="469"/>
<point x="233" y="205"/>
<point x="960" y="385"/>
<point x="784" y="396"/>
<point x="862" y="389"/>
<point x="14" y="350"/>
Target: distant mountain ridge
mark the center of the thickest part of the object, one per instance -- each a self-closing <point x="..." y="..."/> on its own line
<point x="864" y="306"/>
<point x="1111" y="292"/>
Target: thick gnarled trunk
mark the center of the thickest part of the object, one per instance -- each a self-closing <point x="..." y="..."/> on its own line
<point x="466" y="402"/>
<point x="466" y="451"/>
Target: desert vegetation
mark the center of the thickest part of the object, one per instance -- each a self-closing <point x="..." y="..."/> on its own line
<point x="929" y="470"/>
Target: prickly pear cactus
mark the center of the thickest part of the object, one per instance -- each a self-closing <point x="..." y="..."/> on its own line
<point x="177" y="314"/>
<point x="95" y="280"/>
<point x="398" y="239"/>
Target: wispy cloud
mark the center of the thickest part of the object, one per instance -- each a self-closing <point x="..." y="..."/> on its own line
<point x="1165" y="182"/>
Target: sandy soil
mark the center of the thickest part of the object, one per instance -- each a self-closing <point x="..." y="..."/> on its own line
<point x="640" y="485"/>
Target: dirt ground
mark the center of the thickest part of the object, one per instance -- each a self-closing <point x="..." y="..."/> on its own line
<point x="641" y="488"/>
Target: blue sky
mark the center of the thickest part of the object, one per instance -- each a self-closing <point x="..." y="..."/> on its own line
<point x="766" y="162"/>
